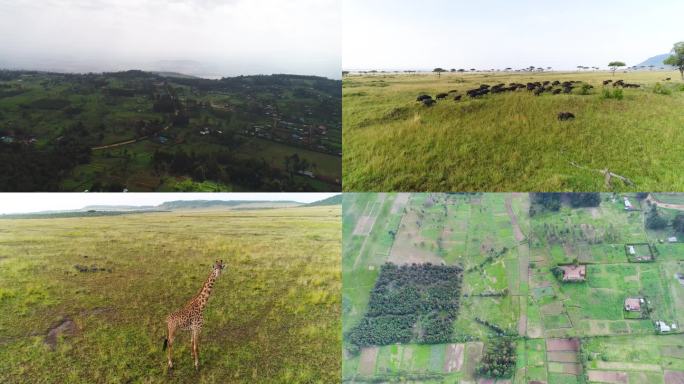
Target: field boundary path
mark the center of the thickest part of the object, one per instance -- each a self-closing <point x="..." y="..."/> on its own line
<point x="651" y="198"/>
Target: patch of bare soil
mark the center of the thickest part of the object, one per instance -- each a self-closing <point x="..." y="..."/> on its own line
<point x="608" y="377"/>
<point x="563" y="357"/>
<point x="517" y="232"/>
<point x="562" y="345"/>
<point x="674" y="377"/>
<point x="364" y="225"/>
<point x="367" y="363"/>
<point x="400" y="202"/>
<point x="454" y="358"/>
<point x="65" y="327"/>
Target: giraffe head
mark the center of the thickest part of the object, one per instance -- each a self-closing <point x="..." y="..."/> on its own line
<point x="218" y="267"/>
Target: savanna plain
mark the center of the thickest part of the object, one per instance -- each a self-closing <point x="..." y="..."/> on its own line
<point x="513" y="140"/>
<point x="84" y="299"/>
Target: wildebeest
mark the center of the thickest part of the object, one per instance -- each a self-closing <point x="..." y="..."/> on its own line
<point x="619" y="83"/>
<point x="477" y="92"/>
<point x="629" y="85"/>
<point x="538" y="91"/>
<point x="563" y="116"/>
<point x="429" y="102"/>
<point x="555" y="82"/>
<point x="606" y="82"/>
<point x="556" y="91"/>
<point x="442" y="96"/>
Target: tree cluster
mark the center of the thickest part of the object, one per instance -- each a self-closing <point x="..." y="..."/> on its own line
<point x="654" y="220"/>
<point x="410" y="303"/>
<point x="551" y="201"/>
<point x="498" y="360"/>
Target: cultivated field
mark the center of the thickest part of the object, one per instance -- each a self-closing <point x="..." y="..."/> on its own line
<point x="564" y="332"/>
<point x="274" y="314"/>
<point x="512" y="140"/>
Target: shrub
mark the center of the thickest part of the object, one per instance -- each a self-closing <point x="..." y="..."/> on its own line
<point x="660" y="89"/>
<point x="585" y="89"/>
<point x="616" y="94"/>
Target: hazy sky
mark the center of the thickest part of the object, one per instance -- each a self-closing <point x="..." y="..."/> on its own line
<point x="484" y="34"/>
<point x="37" y="202"/>
<point x="208" y="37"/>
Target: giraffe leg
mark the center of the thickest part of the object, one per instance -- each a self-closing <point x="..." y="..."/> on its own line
<point x="171" y="336"/>
<point x="195" y="347"/>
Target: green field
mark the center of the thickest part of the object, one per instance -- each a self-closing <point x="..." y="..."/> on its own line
<point x="565" y="332"/>
<point x="274" y="313"/>
<point x="513" y="140"/>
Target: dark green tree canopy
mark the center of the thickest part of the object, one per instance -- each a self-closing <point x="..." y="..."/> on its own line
<point x="614" y="65"/>
<point x="677" y="58"/>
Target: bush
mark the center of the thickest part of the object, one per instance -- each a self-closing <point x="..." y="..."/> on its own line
<point x="616" y="94"/>
<point x="660" y="89"/>
<point x="586" y="88"/>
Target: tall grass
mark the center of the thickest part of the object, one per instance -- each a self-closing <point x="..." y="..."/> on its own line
<point x="274" y="315"/>
<point x="510" y="141"/>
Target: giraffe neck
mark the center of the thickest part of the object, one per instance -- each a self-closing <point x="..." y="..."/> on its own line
<point x="204" y="293"/>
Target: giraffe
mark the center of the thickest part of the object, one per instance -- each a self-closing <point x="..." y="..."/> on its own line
<point x="190" y="318"/>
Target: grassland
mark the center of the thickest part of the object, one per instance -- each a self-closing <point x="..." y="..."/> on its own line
<point x="565" y="332"/>
<point x="274" y="314"/>
<point x="510" y="141"/>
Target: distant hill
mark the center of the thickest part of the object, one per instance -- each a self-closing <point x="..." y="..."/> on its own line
<point x="234" y="204"/>
<point x="174" y="74"/>
<point x="112" y="210"/>
<point x="333" y="200"/>
<point x="655" y="61"/>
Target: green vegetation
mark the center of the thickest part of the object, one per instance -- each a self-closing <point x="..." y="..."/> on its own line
<point x="146" y="132"/>
<point x="516" y="320"/>
<point x="410" y="303"/>
<point x="512" y="140"/>
<point x="498" y="359"/>
<point x="273" y="316"/>
<point x="677" y="58"/>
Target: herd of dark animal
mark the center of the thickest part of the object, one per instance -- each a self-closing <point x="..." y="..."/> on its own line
<point x="553" y="87"/>
<point x="621" y="83"/>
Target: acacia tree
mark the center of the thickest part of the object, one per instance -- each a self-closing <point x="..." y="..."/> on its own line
<point x="439" y="71"/>
<point x="677" y="58"/>
<point x="614" y="65"/>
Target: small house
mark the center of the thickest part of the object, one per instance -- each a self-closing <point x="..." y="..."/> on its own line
<point x="633" y="304"/>
<point x="631" y="250"/>
<point x="574" y="272"/>
<point x="672" y="239"/>
<point x="663" y="327"/>
<point x="628" y="205"/>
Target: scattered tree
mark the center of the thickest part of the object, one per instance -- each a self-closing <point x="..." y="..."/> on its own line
<point x="677" y="58"/>
<point x="614" y="65"/>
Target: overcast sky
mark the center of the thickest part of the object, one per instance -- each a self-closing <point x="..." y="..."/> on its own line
<point x="484" y="34"/>
<point x="211" y="38"/>
<point x="38" y="202"/>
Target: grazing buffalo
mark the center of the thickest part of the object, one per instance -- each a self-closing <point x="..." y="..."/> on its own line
<point x="563" y="116"/>
<point x="628" y="85"/>
<point x="429" y="102"/>
<point x="442" y="96"/>
<point x="454" y="91"/>
<point x="555" y="82"/>
<point x="556" y="91"/>
<point x="457" y="98"/>
<point x="538" y="91"/>
<point x="668" y="79"/>
<point x="606" y="82"/>
<point x="423" y="97"/>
